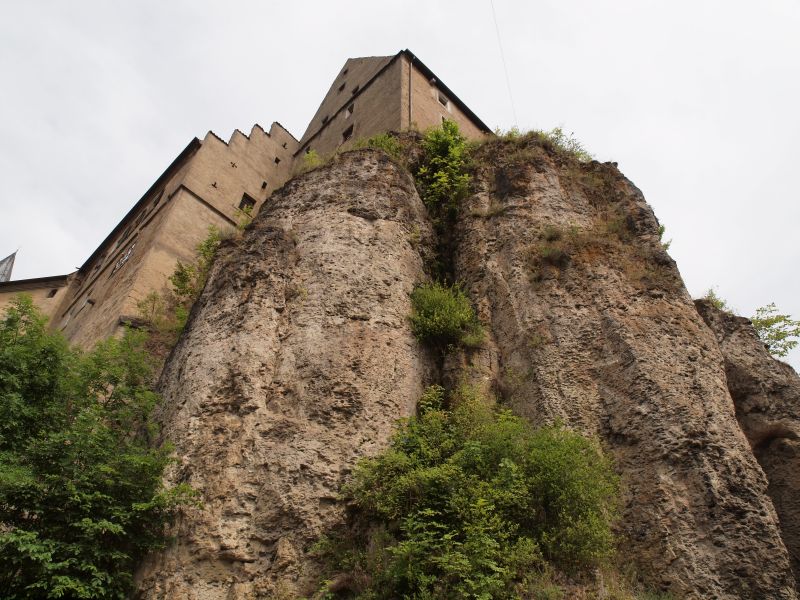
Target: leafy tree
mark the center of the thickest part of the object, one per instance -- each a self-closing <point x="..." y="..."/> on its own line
<point x="81" y="499"/>
<point x="471" y="502"/>
<point x="775" y="329"/>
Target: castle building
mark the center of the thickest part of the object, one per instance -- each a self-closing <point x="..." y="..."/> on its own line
<point x="212" y="181"/>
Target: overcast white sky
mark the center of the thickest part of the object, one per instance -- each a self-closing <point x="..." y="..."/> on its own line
<point x="698" y="101"/>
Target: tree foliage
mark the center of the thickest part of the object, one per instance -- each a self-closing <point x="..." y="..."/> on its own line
<point x="81" y="499"/>
<point x="442" y="175"/>
<point x="471" y="502"/>
<point x="776" y="330"/>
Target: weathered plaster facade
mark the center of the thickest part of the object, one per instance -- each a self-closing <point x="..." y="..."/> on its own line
<point x="212" y="180"/>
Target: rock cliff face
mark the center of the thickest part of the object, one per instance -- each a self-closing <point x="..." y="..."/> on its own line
<point x="766" y="394"/>
<point x="591" y="324"/>
<point x="298" y="359"/>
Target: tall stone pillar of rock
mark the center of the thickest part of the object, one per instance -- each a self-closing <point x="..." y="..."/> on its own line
<point x="766" y="395"/>
<point x="589" y="322"/>
<point x="297" y="360"/>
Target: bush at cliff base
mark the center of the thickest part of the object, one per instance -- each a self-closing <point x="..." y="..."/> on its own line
<point x="80" y="487"/>
<point x="471" y="502"/>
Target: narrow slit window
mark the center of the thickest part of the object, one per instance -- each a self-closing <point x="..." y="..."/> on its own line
<point x="325" y="119"/>
<point x="347" y="134"/>
<point x="355" y="89"/>
<point x="52" y="293"/>
<point x="349" y="111"/>
<point x="341" y="87"/>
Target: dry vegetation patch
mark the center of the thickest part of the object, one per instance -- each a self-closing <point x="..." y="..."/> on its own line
<point x="608" y="240"/>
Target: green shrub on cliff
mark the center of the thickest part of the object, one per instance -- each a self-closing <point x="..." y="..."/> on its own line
<point x="81" y="499"/>
<point x="383" y="141"/>
<point x="442" y="175"/>
<point x="166" y="313"/>
<point x="442" y="315"/>
<point x="471" y="502"/>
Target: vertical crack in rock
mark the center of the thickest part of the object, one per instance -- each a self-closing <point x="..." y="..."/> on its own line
<point x="766" y="395"/>
<point x="590" y="323"/>
<point x="297" y="360"/>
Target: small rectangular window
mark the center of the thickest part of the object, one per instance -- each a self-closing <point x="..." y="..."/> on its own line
<point x="341" y="87"/>
<point x="349" y="111"/>
<point x="52" y="293"/>
<point x="277" y="160"/>
<point x="347" y="134"/>
<point x="247" y="203"/>
<point x="355" y="89"/>
<point x="444" y="101"/>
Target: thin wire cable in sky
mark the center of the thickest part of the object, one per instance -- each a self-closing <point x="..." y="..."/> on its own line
<point x="505" y="68"/>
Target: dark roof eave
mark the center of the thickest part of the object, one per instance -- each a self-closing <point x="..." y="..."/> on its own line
<point x="188" y="151"/>
<point x="35" y="282"/>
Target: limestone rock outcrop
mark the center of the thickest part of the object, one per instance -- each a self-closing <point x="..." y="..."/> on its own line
<point x="297" y="360"/>
<point x="590" y="323"/>
<point x="766" y="395"/>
